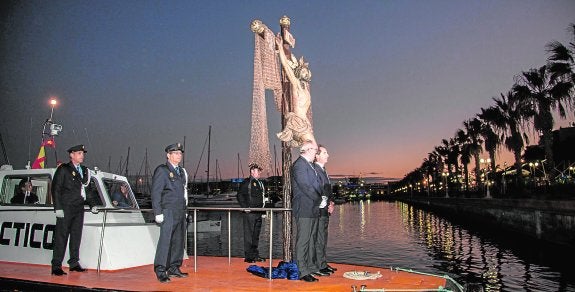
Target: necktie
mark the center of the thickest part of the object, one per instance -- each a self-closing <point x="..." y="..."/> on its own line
<point x="80" y="171"/>
<point x="177" y="170"/>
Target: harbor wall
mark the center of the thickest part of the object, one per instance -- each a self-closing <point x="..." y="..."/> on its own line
<point x="552" y="221"/>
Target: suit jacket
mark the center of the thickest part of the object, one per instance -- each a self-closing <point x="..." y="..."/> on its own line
<point x="67" y="187"/>
<point x="326" y="187"/>
<point x="251" y="194"/>
<point x="306" y="189"/>
<point x="168" y="189"/>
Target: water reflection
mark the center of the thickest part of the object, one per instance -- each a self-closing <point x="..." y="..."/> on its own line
<point x="382" y="234"/>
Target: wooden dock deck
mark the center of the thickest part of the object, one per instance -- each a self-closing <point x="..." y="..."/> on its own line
<point x="213" y="274"/>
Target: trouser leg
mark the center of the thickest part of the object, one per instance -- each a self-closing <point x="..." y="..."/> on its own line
<point x="163" y="248"/>
<point x="256" y="234"/>
<point x="304" y="245"/>
<point x="321" y="243"/>
<point x="76" y="226"/>
<point x="60" y="239"/>
<point x="248" y="230"/>
<point x="177" y="242"/>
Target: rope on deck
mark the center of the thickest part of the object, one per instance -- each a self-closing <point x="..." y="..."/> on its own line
<point x="361" y="275"/>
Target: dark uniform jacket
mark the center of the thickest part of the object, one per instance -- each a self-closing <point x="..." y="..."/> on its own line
<point x="306" y="189"/>
<point x="326" y="188"/>
<point x="251" y="194"/>
<point x="168" y="189"/>
<point x="67" y="186"/>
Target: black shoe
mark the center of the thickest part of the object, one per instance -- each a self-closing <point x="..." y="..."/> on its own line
<point x="308" y="278"/>
<point x="260" y="259"/>
<point x="326" y="270"/>
<point x="320" y="273"/>
<point x="331" y="268"/>
<point x="77" y="268"/>
<point x="163" y="277"/>
<point x="58" y="272"/>
<point x="177" y="273"/>
<point x="251" y="261"/>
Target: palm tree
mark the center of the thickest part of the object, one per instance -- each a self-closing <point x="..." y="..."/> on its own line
<point x="561" y="59"/>
<point x="465" y="153"/>
<point x="473" y="130"/>
<point x="508" y="117"/>
<point x="546" y="92"/>
<point x="453" y="155"/>
<point x="490" y="137"/>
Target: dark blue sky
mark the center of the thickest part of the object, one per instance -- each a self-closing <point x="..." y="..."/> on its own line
<point x="390" y="78"/>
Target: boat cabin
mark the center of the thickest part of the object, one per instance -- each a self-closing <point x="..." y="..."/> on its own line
<point x="116" y="237"/>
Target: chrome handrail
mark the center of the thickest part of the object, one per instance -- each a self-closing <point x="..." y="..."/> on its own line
<point x="269" y="211"/>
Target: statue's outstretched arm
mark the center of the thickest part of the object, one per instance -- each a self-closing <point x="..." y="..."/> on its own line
<point x="284" y="61"/>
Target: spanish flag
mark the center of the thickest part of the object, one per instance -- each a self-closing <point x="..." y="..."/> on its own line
<point x="41" y="159"/>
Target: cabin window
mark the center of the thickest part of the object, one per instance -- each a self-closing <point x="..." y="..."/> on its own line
<point x="26" y="190"/>
<point x="114" y="190"/>
<point x="92" y="193"/>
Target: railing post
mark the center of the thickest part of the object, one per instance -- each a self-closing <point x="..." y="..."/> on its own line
<point x="230" y="237"/>
<point x="271" y="215"/>
<point x="101" y="240"/>
<point x="195" y="240"/>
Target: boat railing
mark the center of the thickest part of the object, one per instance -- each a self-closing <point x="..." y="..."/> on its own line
<point x="194" y="211"/>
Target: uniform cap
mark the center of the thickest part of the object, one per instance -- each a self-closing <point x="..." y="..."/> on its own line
<point x="77" y="148"/>
<point x="175" y="147"/>
<point x="254" y="165"/>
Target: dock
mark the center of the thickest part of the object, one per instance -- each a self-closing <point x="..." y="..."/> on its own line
<point x="212" y="274"/>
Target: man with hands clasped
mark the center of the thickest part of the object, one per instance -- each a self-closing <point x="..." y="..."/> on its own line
<point x="170" y="201"/>
<point x="69" y="197"/>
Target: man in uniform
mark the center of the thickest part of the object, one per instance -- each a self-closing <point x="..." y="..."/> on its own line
<point x="325" y="209"/>
<point x="306" y="192"/>
<point x="251" y="194"/>
<point x="69" y="198"/>
<point x="170" y="201"/>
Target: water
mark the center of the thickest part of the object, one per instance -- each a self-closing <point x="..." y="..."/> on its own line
<point x="386" y="234"/>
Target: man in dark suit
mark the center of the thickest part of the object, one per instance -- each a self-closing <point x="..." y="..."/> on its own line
<point x="306" y="193"/>
<point x="69" y="198"/>
<point x="251" y="194"/>
<point x="325" y="209"/>
<point x="170" y="201"/>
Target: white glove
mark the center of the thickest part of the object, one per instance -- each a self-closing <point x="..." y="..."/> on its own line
<point x="323" y="202"/>
<point x="94" y="210"/>
<point x="160" y="218"/>
<point x="59" y="213"/>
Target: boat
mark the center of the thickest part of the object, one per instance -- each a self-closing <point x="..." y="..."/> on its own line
<point x="112" y="239"/>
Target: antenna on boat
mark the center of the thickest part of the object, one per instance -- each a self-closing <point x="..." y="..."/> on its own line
<point x="49" y="131"/>
<point x="29" y="143"/>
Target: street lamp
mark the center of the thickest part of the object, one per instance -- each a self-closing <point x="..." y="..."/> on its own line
<point x="53" y="103"/>
<point x="445" y="175"/>
<point x="487" y="163"/>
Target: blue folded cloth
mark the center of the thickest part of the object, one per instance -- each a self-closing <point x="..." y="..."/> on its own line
<point x="284" y="270"/>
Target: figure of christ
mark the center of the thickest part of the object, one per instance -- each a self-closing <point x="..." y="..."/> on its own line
<point x="298" y="128"/>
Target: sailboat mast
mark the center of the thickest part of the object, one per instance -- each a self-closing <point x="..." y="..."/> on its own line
<point x="183" y="155"/>
<point x="127" y="160"/>
<point x="209" y="148"/>
<point x="4" y="149"/>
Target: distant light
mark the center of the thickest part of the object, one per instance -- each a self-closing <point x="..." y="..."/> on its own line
<point x="53" y="101"/>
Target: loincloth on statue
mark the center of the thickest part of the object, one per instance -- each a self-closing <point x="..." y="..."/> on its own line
<point x="297" y="130"/>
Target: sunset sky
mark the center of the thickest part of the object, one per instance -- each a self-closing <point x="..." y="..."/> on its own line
<point x="390" y="78"/>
